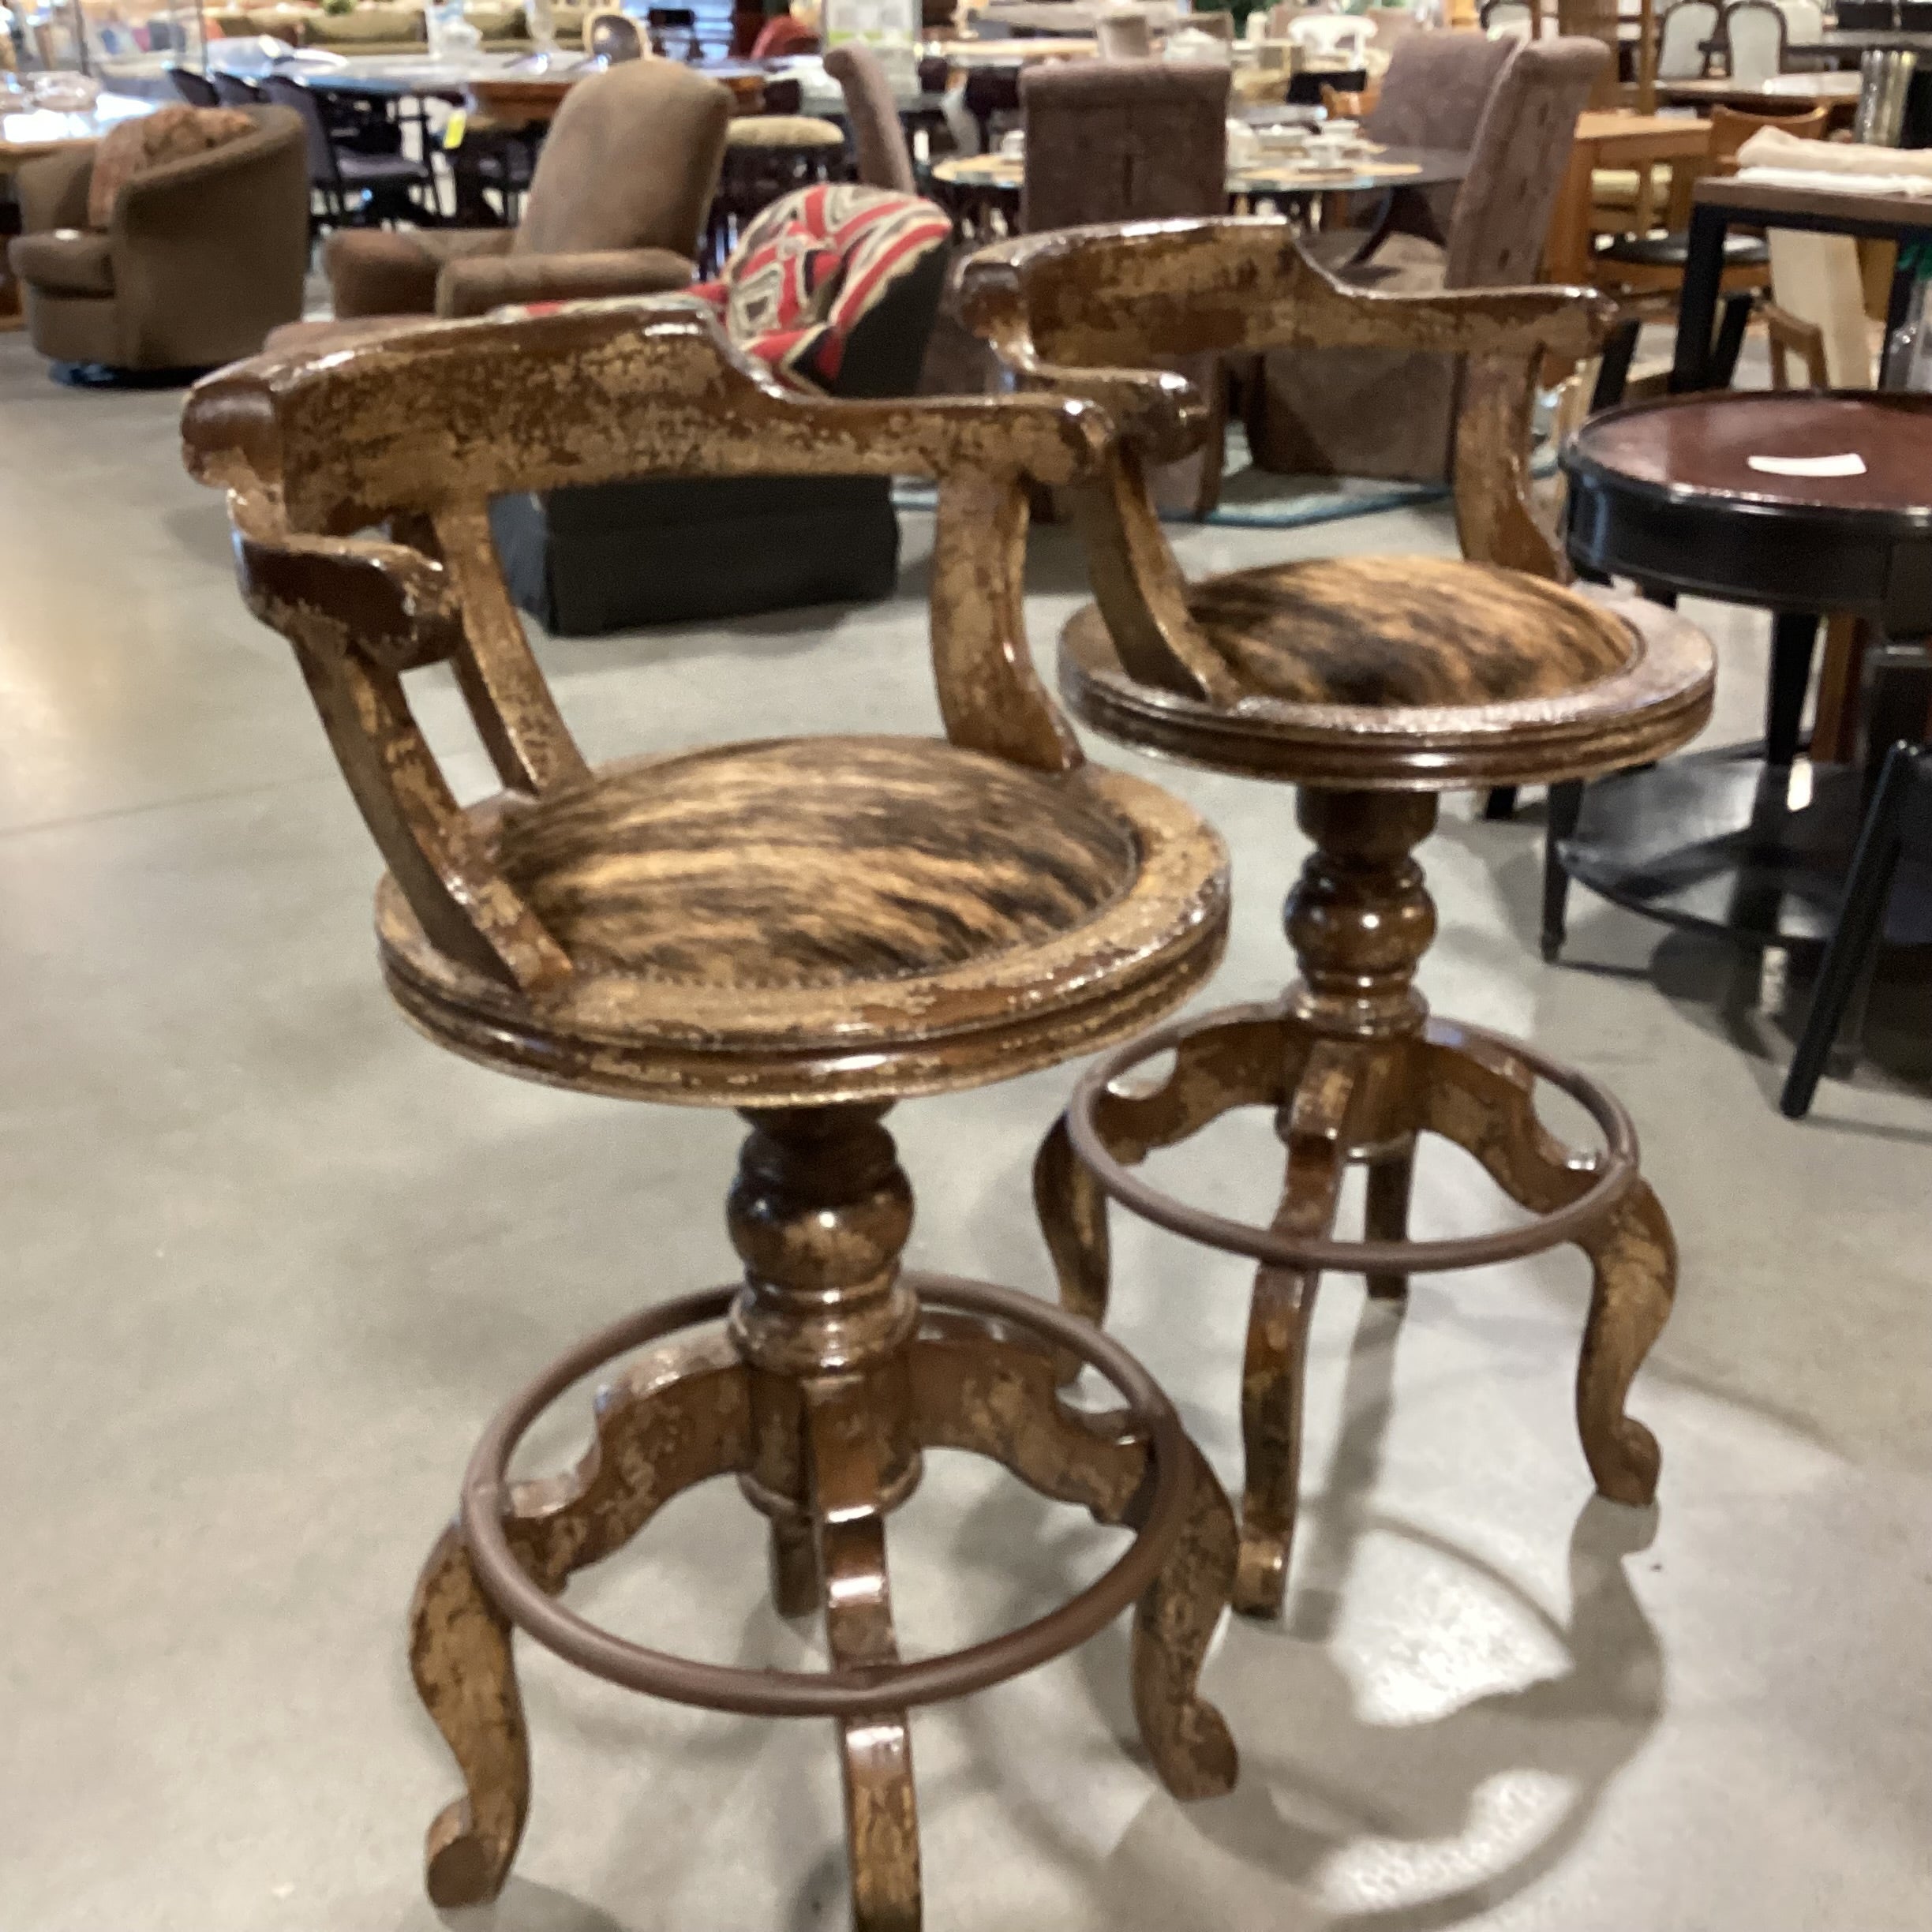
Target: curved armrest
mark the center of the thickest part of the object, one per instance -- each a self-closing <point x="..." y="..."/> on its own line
<point x="1078" y="307"/>
<point x="152" y="200"/>
<point x="479" y="283"/>
<point x="360" y="612"/>
<point x="421" y="425"/>
<point x="386" y="271"/>
<point x="1153" y="409"/>
<point x="53" y="191"/>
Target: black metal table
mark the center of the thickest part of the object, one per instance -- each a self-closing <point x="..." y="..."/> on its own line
<point x="1717" y="202"/>
<point x="1754" y="842"/>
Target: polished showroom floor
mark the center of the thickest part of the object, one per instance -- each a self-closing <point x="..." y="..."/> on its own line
<point x="270" y="1259"/>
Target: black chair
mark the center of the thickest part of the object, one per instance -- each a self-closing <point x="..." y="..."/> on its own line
<point x="992" y="93"/>
<point x="232" y="91"/>
<point x="674" y="32"/>
<point x="613" y="556"/>
<point x="1915" y="16"/>
<point x="1868" y="15"/>
<point x="1900" y="821"/>
<point x="355" y="189"/>
<point x="197" y="90"/>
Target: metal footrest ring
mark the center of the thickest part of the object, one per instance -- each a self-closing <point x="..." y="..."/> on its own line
<point x="1615" y="1170"/>
<point x="852" y="1692"/>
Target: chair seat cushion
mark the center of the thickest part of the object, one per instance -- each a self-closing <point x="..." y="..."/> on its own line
<point x="1673" y="250"/>
<point x="859" y="898"/>
<point x="1405" y="630"/>
<point x="1409" y="673"/>
<point x="784" y="131"/>
<point x="64" y="262"/>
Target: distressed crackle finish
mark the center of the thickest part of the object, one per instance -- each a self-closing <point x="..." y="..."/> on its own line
<point x="1372" y="683"/>
<point x="806" y="930"/>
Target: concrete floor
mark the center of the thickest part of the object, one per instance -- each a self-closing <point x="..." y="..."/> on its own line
<point x="270" y="1259"/>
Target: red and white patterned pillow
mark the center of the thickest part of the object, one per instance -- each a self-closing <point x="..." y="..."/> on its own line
<point x="811" y="266"/>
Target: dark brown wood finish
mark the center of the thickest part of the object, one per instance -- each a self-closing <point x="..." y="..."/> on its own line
<point x="1372" y="684"/>
<point x="808" y="930"/>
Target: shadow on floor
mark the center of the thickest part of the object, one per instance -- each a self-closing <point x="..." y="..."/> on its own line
<point x="1322" y="1777"/>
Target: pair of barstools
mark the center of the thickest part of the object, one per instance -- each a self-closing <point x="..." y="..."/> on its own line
<point x="809" y="929"/>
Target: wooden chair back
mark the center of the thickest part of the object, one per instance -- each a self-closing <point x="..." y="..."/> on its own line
<point x="359" y="482"/>
<point x="1730" y="129"/>
<point x="1092" y="312"/>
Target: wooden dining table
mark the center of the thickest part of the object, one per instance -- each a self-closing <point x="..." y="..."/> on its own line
<point x="1615" y="139"/>
<point x="967" y="180"/>
<point x="1785" y="93"/>
<point x="511" y="100"/>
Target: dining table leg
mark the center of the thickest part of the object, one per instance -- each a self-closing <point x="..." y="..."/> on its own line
<point x="1697" y="303"/>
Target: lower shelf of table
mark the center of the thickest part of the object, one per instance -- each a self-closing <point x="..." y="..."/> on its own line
<point x="1721" y="842"/>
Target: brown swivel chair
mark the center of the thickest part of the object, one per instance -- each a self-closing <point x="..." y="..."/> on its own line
<point x="805" y="930"/>
<point x="617" y="206"/>
<point x="885" y="161"/>
<point x="1392" y="413"/>
<point x="201" y="258"/>
<point x="1371" y="684"/>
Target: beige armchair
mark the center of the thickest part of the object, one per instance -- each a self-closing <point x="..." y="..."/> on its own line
<point x="200" y="258"/>
<point x="616" y="207"/>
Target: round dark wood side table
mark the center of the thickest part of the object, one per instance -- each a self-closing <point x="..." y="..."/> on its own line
<point x="1755" y="840"/>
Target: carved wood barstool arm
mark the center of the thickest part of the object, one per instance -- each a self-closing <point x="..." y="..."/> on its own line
<point x="360" y="612"/>
<point x="1104" y="296"/>
<point x="423" y="426"/>
<point x="1066" y="309"/>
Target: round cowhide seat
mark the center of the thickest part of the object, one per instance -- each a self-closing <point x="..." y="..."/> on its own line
<point x="829" y="918"/>
<point x="1401" y="673"/>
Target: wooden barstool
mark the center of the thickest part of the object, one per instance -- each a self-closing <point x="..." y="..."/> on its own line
<point x="804" y="928"/>
<point x="1372" y="684"/>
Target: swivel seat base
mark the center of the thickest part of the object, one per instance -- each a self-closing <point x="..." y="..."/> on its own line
<point x="1355" y="1071"/>
<point x="834" y="1372"/>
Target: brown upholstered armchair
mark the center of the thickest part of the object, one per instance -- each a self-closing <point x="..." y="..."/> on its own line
<point x="1434" y="95"/>
<point x="616" y="207"/>
<point x="1384" y="413"/>
<point x="200" y="258"/>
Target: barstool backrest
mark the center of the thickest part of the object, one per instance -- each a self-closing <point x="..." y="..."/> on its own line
<point x="416" y="430"/>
